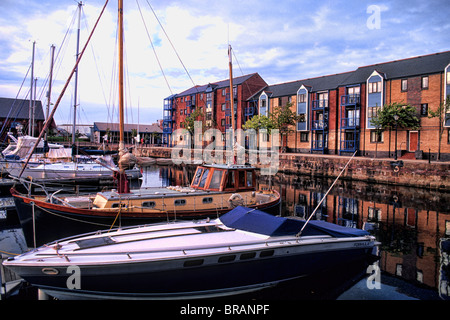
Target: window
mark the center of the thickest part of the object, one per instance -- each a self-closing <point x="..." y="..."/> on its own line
<point x="230" y="180"/>
<point x="425" y="82"/>
<point x="404" y="84"/>
<point x="376" y="136"/>
<point x="353" y="90"/>
<point x="302" y="98"/>
<point x="224" y="92"/>
<point x="223" y="122"/>
<point x="374" y="87"/>
<point x="149" y="204"/>
<point x="216" y="179"/>
<point x="373" y="111"/>
<point x="448" y="77"/>
<point x="224" y="106"/>
<point x="228" y="258"/>
<point x="249" y="179"/>
<point x="197" y="176"/>
<point x="248" y="255"/>
<point x="203" y="179"/>
<point x="304" y="136"/>
<point x="241" y="179"/>
<point x="180" y="202"/>
<point x="207" y="200"/>
<point x="424" y="109"/>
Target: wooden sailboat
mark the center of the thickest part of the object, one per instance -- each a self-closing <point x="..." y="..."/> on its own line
<point x="214" y="190"/>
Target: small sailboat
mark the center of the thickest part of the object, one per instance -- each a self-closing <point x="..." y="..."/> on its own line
<point x="244" y="250"/>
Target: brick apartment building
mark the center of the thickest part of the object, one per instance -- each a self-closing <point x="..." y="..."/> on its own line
<point x="337" y="108"/>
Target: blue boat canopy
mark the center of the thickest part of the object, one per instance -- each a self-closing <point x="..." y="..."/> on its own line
<point x="256" y="221"/>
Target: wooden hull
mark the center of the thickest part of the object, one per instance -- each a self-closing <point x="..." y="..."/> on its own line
<point x="43" y="222"/>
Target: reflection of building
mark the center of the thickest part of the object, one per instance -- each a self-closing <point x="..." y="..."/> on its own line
<point x="408" y="222"/>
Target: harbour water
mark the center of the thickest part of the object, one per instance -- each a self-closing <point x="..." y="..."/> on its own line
<point x="413" y="226"/>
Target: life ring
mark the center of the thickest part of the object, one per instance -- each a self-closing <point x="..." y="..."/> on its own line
<point x="236" y="200"/>
<point x="396" y="169"/>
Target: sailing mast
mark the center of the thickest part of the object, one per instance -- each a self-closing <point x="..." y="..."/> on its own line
<point x="122" y="186"/>
<point x="233" y="129"/>
<point x="30" y="110"/>
<point x="76" y="76"/>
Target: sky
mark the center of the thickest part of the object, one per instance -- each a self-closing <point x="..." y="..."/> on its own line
<point x="282" y="40"/>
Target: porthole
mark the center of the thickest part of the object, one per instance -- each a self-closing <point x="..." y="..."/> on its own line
<point x="149" y="204"/>
<point x="207" y="200"/>
<point x="248" y="255"/>
<point x="227" y="258"/>
<point x="266" y="253"/>
<point x="193" y="263"/>
<point x="180" y="202"/>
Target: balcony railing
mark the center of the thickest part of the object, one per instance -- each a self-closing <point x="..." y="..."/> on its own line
<point x="319" y="145"/>
<point x="249" y="111"/>
<point x="319" y="125"/>
<point x="319" y="104"/>
<point x="350" y="123"/>
<point x="349" y="145"/>
<point x="350" y="99"/>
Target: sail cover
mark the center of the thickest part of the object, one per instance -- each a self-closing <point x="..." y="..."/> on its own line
<point x="256" y="221"/>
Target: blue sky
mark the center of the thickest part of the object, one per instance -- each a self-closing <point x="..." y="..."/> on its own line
<point x="282" y="40"/>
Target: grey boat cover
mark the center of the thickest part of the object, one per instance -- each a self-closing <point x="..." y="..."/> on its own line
<point x="257" y="221"/>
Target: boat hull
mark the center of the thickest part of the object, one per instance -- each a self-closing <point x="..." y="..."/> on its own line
<point x="176" y="279"/>
<point x="44" y="222"/>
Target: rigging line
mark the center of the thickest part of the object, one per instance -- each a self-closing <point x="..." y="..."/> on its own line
<point x="154" y="50"/>
<point x="95" y="58"/>
<point x="173" y="47"/>
<point x="50" y="117"/>
<point x="323" y="198"/>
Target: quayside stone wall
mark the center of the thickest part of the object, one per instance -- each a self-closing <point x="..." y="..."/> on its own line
<point x="417" y="173"/>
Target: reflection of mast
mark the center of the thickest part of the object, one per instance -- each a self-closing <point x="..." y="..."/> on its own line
<point x="76" y="76"/>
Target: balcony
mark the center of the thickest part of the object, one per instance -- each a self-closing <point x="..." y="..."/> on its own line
<point x="319" y="145"/>
<point x="319" y="104"/>
<point x="349" y="145"/>
<point x="350" y="123"/>
<point x="249" y="111"/>
<point x="319" y="125"/>
<point x="350" y="100"/>
<point x="167" y="118"/>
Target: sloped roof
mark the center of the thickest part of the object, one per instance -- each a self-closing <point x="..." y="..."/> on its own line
<point x="217" y="85"/>
<point x="421" y="65"/>
<point x="19" y="109"/>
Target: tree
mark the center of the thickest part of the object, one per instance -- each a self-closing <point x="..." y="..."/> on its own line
<point x="386" y="118"/>
<point x="283" y="119"/>
<point x="189" y="123"/>
<point x="258" y="122"/>
<point x="407" y="117"/>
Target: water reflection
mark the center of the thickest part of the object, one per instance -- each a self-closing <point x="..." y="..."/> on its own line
<point x="408" y="222"/>
<point x="413" y="225"/>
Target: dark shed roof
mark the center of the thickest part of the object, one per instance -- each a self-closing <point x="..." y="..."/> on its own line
<point x="19" y="109"/>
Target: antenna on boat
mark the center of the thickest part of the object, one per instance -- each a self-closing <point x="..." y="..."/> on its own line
<point x="323" y="198"/>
